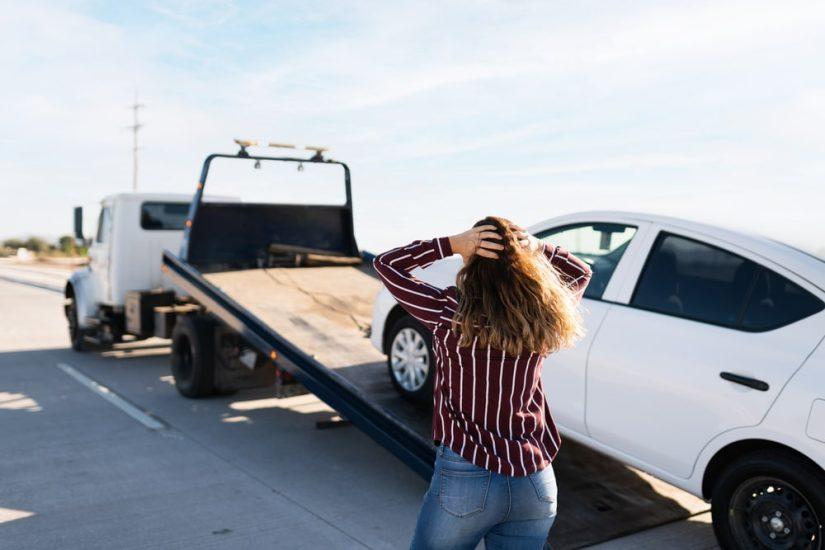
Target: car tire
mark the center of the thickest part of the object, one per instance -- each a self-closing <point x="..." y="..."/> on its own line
<point x="193" y="356"/>
<point x="410" y="360"/>
<point x="769" y="499"/>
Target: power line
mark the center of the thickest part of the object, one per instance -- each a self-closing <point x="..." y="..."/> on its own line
<point x="135" y="128"/>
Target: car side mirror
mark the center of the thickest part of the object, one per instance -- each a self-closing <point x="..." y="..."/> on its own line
<point x="78" y="223"/>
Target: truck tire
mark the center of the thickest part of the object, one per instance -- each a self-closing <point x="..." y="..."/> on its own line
<point x="76" y="335"/>
<point x="410" y="360"/>
<point x="769" y="499"/>
<point x="193" y="356"/>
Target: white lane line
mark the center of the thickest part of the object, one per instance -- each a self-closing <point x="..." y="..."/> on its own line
<point x="112" y="397"/>
<point x="35" y="284"/>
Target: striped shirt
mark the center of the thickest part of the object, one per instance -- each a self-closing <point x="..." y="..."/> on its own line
<point x="489" y="406"/>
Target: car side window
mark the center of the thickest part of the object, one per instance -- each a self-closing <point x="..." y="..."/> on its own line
<point x="694" y="280"/>
<point x="601" y="245"/>
<point x="775" y="302"/>
<point x="104" y="224"/>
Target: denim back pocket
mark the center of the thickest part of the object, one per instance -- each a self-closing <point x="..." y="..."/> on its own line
<point x="544" y="482"/>
<point x="463" y="493"/>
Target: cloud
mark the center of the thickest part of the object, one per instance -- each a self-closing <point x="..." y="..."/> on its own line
<point x="664" y="106"/>
<point x="197" y="13"/>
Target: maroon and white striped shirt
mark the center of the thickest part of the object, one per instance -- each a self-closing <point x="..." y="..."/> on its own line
<point x="489" y="406"/>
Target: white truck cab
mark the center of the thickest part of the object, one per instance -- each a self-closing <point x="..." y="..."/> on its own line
<point x="125" y="255"/>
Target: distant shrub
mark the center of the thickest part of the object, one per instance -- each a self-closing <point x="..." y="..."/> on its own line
<point x="14" y="244"/>
<point x="67" y="245"/>
<point x="37" y="245"/>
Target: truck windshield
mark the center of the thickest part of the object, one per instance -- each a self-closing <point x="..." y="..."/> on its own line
<point x="163" y="216"/>
<point x="278" y="182"/>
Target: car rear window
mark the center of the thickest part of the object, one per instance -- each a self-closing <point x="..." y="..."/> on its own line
<point x="687" y="278"/>
<point x="776" y="301"/>
<point x="690" y="279"/>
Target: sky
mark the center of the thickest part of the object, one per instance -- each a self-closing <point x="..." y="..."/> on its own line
<point x="445" y="111"/>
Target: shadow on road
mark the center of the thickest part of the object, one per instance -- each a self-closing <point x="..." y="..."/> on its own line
<point x="599" y="498"/>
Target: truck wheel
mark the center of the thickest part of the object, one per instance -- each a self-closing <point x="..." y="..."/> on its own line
<point x="75" y="332"/>
<point x="193" y="355"/>
<point x="410" y="360"/>
<point x="769" y="499"/>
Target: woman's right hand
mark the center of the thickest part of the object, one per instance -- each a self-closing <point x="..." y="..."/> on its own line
<point x="477" y="240"/>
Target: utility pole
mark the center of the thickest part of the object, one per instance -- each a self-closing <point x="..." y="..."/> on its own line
<point x="135" y="128"/>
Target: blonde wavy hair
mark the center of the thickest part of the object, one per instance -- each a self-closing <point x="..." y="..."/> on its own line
<point x="517" y="302"/>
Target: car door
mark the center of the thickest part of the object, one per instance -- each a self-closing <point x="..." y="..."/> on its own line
<point x="605" y="246"/>
<point x="699" y="346"/>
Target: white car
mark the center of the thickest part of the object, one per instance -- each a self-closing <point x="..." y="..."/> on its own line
<point x="703" y="365"/>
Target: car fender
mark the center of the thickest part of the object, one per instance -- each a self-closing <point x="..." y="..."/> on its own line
<point x="82" y="285"/>
<point x="758" y="435"/>
<point x="441" y="274"/>
<point x="381" y="308"/>
<point x="787" y="422"/>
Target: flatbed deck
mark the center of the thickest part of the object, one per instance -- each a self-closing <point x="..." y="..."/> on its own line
<point x="325" y="310"/>
<point x="299" y="304"/>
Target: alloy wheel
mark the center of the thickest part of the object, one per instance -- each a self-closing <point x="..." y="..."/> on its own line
<point x="409" y="359"/>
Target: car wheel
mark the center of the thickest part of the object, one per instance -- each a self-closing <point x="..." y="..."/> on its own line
<point x="769" y="499"/>
<point x="410" y="359"/>
<point x="193" y="356"/>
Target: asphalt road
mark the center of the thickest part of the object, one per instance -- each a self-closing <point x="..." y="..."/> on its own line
<point x="243" y="471"/>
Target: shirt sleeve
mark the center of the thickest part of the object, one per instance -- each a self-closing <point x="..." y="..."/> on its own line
<point x="573" y="271"/>
<point x="422" y="300"/>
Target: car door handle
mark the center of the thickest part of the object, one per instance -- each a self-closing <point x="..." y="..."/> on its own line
<point x="745" y="381"/>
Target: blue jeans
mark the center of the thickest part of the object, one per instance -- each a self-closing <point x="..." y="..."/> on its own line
<point x="466" y="503"/>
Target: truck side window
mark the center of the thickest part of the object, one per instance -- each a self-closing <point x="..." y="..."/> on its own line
<point x="775" y="302"/>
<point x="104" y="224"/>
<point x="164" y="216"/>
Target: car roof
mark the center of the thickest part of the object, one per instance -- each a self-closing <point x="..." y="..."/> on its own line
<point x="805" y="265"/>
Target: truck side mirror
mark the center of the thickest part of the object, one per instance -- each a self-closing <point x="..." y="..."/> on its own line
<point x="78" y="223"/>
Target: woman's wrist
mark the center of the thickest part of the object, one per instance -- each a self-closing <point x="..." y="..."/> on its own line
<point x="455" y="244"/>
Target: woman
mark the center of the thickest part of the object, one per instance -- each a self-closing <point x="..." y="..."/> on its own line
<point x="515" y="301"/>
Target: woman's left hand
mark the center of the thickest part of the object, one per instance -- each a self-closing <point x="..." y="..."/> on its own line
<point x="527" y="240"/>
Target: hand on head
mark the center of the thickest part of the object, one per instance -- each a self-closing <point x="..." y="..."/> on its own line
<point x="479" y="240"/>
<point x="525" y="239"/>
<point x="485" y="241"/>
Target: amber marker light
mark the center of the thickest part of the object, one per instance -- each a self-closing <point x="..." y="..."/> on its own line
<point x="273" y="355"/>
